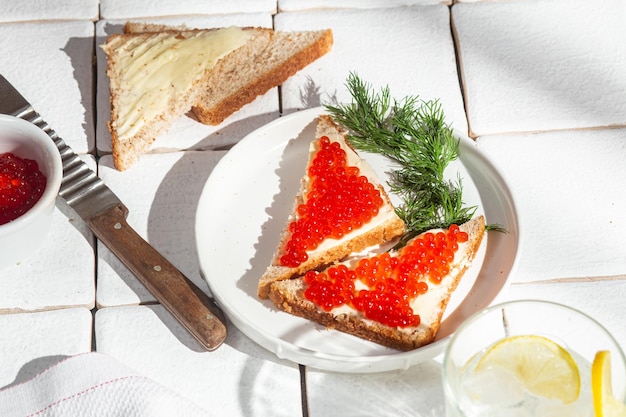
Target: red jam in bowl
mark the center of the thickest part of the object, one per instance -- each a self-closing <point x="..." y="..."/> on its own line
<point x="21" y="186"/>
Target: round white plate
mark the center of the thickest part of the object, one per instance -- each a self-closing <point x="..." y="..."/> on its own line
<point x="243" y="209"/>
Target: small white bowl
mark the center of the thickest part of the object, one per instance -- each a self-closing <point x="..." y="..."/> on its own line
<point x="21" y="238"/>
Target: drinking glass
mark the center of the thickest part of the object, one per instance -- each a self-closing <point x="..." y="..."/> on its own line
<point x="580" y="335"/>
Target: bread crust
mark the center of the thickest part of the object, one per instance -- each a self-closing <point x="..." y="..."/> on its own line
<point x="275" y="272"/>
<point x="273" y="67"/>
<point x="264" y="62"/>
<point x="275" y="72"/>
<point x="386" y="231"/>
<point x="126" y="152"/>
<point x="288" y="296"/>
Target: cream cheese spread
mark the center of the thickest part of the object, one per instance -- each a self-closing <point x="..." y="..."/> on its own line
<point x="425" y="305"/>
<point x="352" y="159"/>
<point x="155" y="71"/>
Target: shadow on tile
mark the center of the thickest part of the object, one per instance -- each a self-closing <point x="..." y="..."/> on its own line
<point x="35" y="367"/>
<point x="76" y="49"/>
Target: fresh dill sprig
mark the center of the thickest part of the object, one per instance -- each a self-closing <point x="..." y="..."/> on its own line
<point x="414" y="134"/>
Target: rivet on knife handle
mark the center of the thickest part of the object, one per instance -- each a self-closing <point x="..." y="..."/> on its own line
<point x="193" y="308"/>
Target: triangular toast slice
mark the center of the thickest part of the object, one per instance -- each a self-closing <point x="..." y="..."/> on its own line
<point x="157" y="74"/>
<point x="155" y="78"/>
<point x="253" y="70"/>
<point x="340" y="225"/>
<point x="358" y="314"/>
<point x="237" y="82"/>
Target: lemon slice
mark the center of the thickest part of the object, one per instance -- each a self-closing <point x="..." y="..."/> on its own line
<point x="542" y="366"/>
<point x="604" y="404"/>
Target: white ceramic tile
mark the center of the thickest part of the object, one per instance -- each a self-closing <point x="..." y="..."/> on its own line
<point x="414" y="55"/>
<point x="296" y="5"/>
<point x="568" y="189"/>
<point x="602" y="299"/>
<point x="32" y="342"/>
<point x="50" y="63"/>
<point x="414" y="392"/>
<point x="122" y="9"/>
<point x="27" y="10"/>
<point x="59" y="274"/>
<point x="237" y="379"/>
<point x="161" y="192"/>
<point x="187" y="133"/>
<point x="542" y="65"/>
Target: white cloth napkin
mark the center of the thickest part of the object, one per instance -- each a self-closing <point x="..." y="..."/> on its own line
<point x="93" y="384"/>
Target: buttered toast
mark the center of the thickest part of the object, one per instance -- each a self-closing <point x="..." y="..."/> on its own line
<point x="157" y="74"/>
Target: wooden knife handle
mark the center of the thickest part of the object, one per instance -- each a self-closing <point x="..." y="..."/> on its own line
<point x="195" y="310"/>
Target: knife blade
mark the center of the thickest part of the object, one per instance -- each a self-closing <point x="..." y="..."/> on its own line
<point x="106" y="215"/>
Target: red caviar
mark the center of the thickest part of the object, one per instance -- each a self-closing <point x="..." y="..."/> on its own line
<point x="339" y="200"/>
<point x="21" y="186"/>
<point x="388" y="284"/>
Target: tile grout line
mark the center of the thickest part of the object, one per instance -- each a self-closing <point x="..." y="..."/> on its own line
<point x="304" y="400"/>
<point x="304" y="396"/>
<point x="457" y="61"/>
<point x="94" y="84"/>
<point x="574" y="280"/>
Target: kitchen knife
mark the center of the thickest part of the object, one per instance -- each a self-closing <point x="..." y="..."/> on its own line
<point x="106" y="215"/>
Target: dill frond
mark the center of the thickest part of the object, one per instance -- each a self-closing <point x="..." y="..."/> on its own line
<point x="415" y="135"/>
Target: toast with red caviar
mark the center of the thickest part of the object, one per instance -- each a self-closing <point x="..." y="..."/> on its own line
<point x="157" y="74"/>
<point x="396" y="299"/>
<point x="341" y="208"/>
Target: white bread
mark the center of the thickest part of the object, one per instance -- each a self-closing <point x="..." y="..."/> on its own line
<point x="288" y="296"/>
<point x="264" y="60"/>
<point x="383" y="228"/>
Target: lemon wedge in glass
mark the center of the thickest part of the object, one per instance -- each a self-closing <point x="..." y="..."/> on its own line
<point x="542" y="366"/>
<point x="604" y="404"/>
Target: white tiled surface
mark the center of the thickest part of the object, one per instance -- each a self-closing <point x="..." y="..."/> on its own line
<point x="162" y="211"/>
<point x="34" y="10"/>
<point x="572" y="213"/>
<point x="416" y="391"/>
<point x="299" y="5"/>
<point x="542" y="64"/>
<point x="599" y="297"/>
<point x="50" y="63"/>
<point x="418" y="50"/>
<point x="544" y="71"/>
<point x="123" y="9"/>
<point x="32" y="342"/>
<point x="238" y="379"/>
<point x="60" y="274"/>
